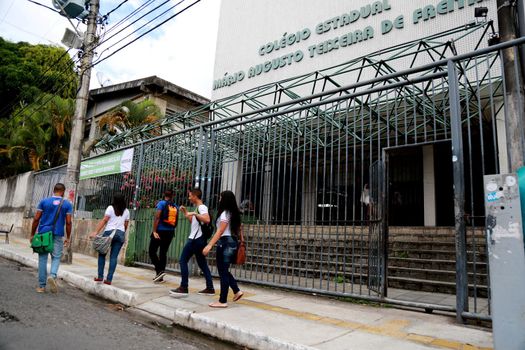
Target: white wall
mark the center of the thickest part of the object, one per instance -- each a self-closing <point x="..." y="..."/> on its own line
<point x="15" y="191"/>
<point x="245" y="26"/>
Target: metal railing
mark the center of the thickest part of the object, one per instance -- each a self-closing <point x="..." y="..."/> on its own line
<point x="299" y="170"/>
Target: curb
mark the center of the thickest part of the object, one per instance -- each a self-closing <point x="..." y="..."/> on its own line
<point x="184" y="318"/>
<point x="236" y="335"/>
<point x="87" y="285"/>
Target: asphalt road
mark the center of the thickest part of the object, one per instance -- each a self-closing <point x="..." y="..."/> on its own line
<point x="75" y="320"/>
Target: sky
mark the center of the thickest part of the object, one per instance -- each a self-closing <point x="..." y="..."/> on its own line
<point x="181" y="51"/>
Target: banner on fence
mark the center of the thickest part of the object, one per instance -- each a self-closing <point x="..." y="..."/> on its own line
<point x="114" y="163"/>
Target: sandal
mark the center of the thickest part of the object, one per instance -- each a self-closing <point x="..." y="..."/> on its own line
<point x="238" y="296"/>
<point x="218" y="305"/>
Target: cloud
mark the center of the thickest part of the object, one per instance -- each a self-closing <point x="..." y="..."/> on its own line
<point x="181" y="51"/>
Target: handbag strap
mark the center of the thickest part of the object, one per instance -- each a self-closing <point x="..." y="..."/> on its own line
<point x="56" y="215"/>
<point x="241" y="235"/>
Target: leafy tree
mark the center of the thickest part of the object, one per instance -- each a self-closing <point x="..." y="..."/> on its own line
<point x="27" y="71"/>
<point x="38" y="84"/>
<point x="37" y="137"/>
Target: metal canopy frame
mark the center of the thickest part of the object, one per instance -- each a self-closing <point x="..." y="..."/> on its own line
<point x="288" y="94"/>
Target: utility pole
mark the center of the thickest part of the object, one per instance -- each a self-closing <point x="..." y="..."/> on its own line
<point x="515" y="98"/>
<point x="77" y="127"/>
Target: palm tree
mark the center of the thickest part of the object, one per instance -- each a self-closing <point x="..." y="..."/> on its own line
<point x="128" y="115"/>
<point x="37" y="137"/>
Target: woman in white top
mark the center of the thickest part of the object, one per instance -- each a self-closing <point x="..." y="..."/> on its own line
<point x="228" y="227"/>
<point x="116" y="218"/>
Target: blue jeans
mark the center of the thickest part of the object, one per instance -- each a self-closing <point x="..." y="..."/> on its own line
<point x="194" y="247"/>
<point x="58" y="246"/>
<point x="226" y="253"/>
<point x="116" y="245"/>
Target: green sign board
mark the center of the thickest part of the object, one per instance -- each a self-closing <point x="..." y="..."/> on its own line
<point x="521" y="184"/>
<point x="114" y="163"/>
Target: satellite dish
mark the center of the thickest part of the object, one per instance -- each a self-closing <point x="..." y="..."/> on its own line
<point x="102" y="80"/>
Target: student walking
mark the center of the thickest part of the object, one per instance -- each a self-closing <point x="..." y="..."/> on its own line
<point x="164" y="226"/>
<point x="51" y="215"/>
<point x="195" y="244"/>
<point x="228" y="228"/>
<point x="116" y="220"/>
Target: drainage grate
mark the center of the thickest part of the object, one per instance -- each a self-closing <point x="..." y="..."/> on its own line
<point x="7" y="317"/>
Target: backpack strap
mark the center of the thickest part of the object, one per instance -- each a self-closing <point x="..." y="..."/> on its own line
<point x="56" y="215"/>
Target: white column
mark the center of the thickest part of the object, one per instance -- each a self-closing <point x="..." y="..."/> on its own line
<point x="232" y="177"/>
<point x="309" y="202"/>
<point x="429" y="186"/>
<point x="267" y="193"/>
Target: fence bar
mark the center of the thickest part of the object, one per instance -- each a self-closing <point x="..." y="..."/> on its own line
<point x="459" y="192"/>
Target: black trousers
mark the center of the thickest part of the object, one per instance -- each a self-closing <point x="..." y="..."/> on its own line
<point x="161" y="246"/>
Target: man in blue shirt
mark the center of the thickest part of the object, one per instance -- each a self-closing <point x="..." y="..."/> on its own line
<point x="163" y="232"/>
<point x="45" y="221"/>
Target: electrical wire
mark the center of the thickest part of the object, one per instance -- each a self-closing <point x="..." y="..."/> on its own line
<point x="101" y="60"/>
<point x="140" y="28"/>
<point x="116" y="8"/>
<point x="132" y="14"/>
<point x="138" y="19"/>
<point x="147" y="32"/>
<point x="47" y="7"/>
<point x="39" y="83"/>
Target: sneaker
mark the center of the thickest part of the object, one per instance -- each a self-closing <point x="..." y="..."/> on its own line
<point x="40" y="289"/>
<point x="159" y="276"/>
<point x="96" y="279"/>
<point x="207" y="291"/>
<point x="180" y="290"/>
<point x="52" y="284"/>
<point x="107" y="282"/>
<point x="159" y="281"/>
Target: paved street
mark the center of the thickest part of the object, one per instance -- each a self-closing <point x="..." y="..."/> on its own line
<point x="73" y="319"/>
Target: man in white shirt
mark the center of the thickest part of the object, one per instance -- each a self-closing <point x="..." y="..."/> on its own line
<point x="195" y="244"/>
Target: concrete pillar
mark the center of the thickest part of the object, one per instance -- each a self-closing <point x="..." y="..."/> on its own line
<point x="502" y="139"/>
<point x="429" y="186"/>
<point x="309" y="198"/>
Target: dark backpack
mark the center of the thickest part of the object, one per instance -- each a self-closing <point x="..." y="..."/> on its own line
<point x="207" y="229"/>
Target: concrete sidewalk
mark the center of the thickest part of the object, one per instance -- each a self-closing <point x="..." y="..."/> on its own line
<point x="266" y="318"/>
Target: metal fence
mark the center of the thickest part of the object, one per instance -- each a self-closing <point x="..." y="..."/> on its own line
<point x="319" y="216"/>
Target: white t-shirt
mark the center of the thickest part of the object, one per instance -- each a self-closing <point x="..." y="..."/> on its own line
<point x="196" y="231"/>
<point x="225" y="217"/>
<point x="116" y="222"/>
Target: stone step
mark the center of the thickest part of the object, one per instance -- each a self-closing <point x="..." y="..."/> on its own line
<point x="436" y="275"/>
<point x="433" y="286"/>
<point x="436" y="264"/>
<point x="433" y="254"/>
<point x="437" y="245"/>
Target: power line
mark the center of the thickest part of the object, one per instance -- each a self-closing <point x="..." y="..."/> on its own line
<point x="116" y="8"/>
<point x="147" y="32"/>
<point x="47" y="7"/>
<point x="52" y="92"/>
<point x="135" y="21"/>
<point x="133" y="13"/>
<point x="38" y="82"/>
<point x="140" y="28"/>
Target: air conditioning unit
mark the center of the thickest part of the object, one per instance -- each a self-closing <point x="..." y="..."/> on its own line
<point x="71" y="39"/>
<point x="71" y="8"/>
